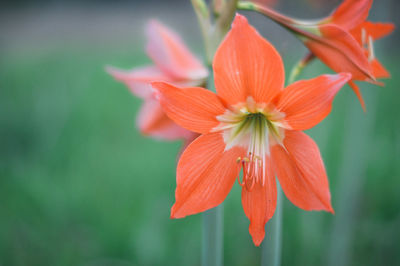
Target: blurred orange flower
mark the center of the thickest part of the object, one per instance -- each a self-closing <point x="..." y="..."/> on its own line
<point x="351" y="17"/>
<point x="174" y="63"/>
<point x="251" y="123"/>
<point x="343" y="41"/>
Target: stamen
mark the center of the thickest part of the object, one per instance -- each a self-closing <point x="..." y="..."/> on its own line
<point x="240" y="183"/>
<point x="249" y="189"/>
<point x="363" y="36"/>
<point x="239" y="160"/>
<point x="253" y="171"/>
<point x="252" y="126"/>
<point x="371" y="54"/>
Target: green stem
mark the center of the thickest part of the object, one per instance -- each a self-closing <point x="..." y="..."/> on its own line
<point x="213" y="231"/>
<point x="203" y="17"/>
<point x="271" y="247"/>
<point x="356" y="149"/>
<point x="298" y="68"/>
<point x="212" y="246"/>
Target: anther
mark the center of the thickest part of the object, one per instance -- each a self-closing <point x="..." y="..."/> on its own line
<point x="363" y="36"/>
<point x="371" y="49"/>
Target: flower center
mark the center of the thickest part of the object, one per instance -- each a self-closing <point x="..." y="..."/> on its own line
<point x="254" y="129"/>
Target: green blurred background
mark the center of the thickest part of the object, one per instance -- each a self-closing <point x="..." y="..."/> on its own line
<point x="79" y="185"/>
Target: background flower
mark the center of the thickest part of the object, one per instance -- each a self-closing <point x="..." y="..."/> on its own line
<point x="173" y="63"/>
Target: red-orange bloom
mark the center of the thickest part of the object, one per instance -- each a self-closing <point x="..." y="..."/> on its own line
<point x="343" y="41"/>
<point x="251" y="123"/>
<point x="174" y="63"/>
<point x="351" y="16"/>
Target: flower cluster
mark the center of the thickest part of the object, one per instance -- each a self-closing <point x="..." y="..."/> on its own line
<point x="251" y="128"/>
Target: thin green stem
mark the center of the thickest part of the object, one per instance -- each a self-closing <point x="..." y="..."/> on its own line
<point x="298" y="68"/>
<point x="212" y="246"/>
<point x="356" y="149"/>
<point x="213" y="231"/>
<point x="271" y="247"/>
<point x="203" y="17"/>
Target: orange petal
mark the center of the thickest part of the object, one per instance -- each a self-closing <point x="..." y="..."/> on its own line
<point x="259" y="205"/>
<point x="357" y="91"/>
<point x="340" y="51"/>
<point x="375" y="30"/>
<point x="245" y="64"/>
<point x="206" y="173"/>
<point x="301" y="172"/>
<point x="195" y="109"/>
<point x="154" y="122"/>
<point x="186" y="142"/>
<point x="351" y="13"/>
<point x="305" y="103"/>
<point x="171" y="55"/>
<point x="138" y="79"/>
<point x="378" y="69"/>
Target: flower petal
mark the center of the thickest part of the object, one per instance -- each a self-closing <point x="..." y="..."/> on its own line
<point x="305" y="103"/>
<point x="245" y="64"/>
<point x="378" y="69"/>
<point x="195" y="109"/>
<point x="171" y="55"/>
<point x="206" y="173"/>
<point x="340" y="51"/>
<point x="259" y="204"/>
<point x="138" y="79"/>
<point x="375" y="30"/>
<point x="301" y="172"/>
<point x="154" y="122"/>
<point x="357" y="91"/>
<point x="351" y="13"/>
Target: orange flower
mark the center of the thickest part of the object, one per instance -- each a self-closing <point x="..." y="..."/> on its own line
<point x="343" y="41"/>
<point x="351" y="16"/>
<point x="173" y="63"/>
<point x="253" y="124"/>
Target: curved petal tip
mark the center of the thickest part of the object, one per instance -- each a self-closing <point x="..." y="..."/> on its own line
<point x="239" y="20"/>
<point x="257" y="233"/>
<point x="173" y="214"/>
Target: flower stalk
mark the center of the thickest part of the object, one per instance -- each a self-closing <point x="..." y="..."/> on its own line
<point x="214" y="25"/>
<point x="299" y="66"/>
<point x="213" y="220"/>
<point x="272" y="245"/>
<point x="355" y="157"/>
<point x="212" y="244"/>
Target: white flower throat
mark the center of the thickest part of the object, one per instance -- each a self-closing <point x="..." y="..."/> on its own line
<point x="253" y="127"/>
